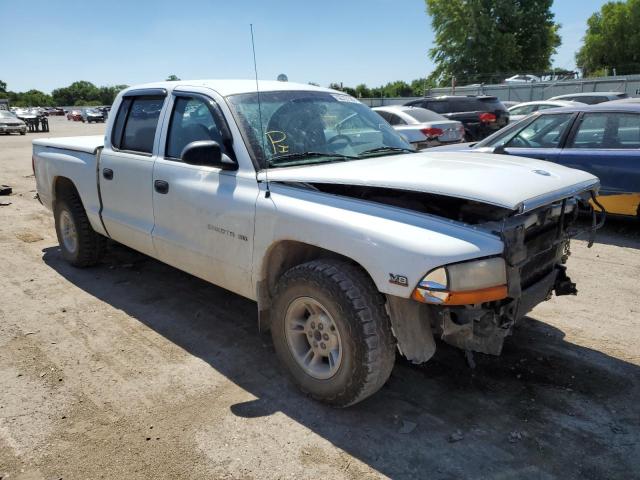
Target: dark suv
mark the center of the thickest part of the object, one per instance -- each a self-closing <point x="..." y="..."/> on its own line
<point x="480" y="115"/>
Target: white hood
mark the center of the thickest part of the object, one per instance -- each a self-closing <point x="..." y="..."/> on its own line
<point x="516" y="183"/>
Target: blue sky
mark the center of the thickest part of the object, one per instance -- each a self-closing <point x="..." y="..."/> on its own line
<point x="53" y="43"/>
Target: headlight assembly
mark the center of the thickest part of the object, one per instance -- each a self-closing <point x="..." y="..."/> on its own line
<point x="464" y="283"/>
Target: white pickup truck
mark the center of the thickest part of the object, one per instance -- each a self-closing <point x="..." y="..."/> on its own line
<point x="306" y="201"/>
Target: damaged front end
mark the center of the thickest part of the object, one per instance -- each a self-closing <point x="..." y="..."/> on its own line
<point x="536" y="250"/>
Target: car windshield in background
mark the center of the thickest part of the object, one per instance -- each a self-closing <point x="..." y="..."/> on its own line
<point x="543" y="132"/>
<point x="306" y="127"/>
<point x="423" y="115"/>
<point x="5" y="114"/>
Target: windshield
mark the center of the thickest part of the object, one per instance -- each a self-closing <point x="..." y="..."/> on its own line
<point x="5" y="114"/>
<point x="305" y="127"/>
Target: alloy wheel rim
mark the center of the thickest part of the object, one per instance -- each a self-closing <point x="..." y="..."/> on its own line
<point x="313" y="338"/>
<point x="68" y="232"/>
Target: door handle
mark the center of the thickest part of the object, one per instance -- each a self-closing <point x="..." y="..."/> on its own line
<point x="161" y="186"/>
<point x="107" y="173"/>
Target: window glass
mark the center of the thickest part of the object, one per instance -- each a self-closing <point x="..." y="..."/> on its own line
<point x="608" y="131"/>
<point x="396" y="120"/>
<point x="424" y="115"/>
<point x="591" y="131"/>
<point x="191" y="120"/>
<point x="546" y="106"/>
<point x="628" y="134"/>
<point x="118" y="126"/>
<point x="141" y="124"/>
<point x="544" y="132"/>
<point x="383" y="114"/>
<point x="303" y="127"/>
<point x="438" y="106"/>
<point x="523" y="110"/>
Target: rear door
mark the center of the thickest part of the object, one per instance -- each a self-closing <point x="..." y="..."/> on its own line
<point x="607" y="144"/>
<point x="126" y="169"/>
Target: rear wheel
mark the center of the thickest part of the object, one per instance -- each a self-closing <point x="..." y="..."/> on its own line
<point x="330" y="329"/>
<point x="81" y="246"/>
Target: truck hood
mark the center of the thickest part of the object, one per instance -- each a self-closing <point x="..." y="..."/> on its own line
<point x="515" y="183"/>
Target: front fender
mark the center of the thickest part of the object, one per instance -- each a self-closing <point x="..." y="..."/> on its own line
<point x="397" y="247"/>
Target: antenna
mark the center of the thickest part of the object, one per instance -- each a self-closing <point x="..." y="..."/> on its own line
<point x="267" y="193"/>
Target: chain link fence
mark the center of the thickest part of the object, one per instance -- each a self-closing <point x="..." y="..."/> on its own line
<point x="527" y="92"/>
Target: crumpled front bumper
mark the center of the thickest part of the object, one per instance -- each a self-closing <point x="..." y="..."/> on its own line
<point x="536" y="250"/>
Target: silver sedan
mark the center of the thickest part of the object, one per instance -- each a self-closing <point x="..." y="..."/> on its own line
<point x="421" y="127"/>
<point x="521" y="110"/>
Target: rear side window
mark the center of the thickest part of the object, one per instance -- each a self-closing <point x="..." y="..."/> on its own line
<point x="423" y="115"/>
<point x="395" y="119"/>
<point x="608" y="131"/>
<point x="438" y="107"/>
<point x="473" y="104"/>
<point x="136" y="123"/>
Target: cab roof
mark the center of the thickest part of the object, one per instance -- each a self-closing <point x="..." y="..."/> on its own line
<point x="232" y="87"/>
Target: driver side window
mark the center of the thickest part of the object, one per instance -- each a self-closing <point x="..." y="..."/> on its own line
<point x="191" y="120"/>
<point x="546" y="131"/>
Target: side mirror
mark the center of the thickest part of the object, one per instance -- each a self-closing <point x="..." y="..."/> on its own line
<point x="500" y="150"/>
<point x="207" y="153"/>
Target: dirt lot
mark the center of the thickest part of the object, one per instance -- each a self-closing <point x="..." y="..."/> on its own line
<point x="135" y="370"/>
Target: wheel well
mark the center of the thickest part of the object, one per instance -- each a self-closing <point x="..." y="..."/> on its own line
<point x="280" y="258"/>
<point x="63" y="187"/>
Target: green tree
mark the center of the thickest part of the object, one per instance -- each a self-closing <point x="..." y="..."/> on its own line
<point x="362" y="91"/>
<point x="3" y="87"/>
<point x="32" y="98"/>
<point x="484" y="40"/>
<point x="398" y="88"/>
<point x="84" y="90"/>
<point x="172" y="78"/>
<point x="612" y="40"/>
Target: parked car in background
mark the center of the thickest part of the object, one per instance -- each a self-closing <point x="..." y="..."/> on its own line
<point x="26" y="114"/>
<point x="92" y="115"/>
<point x="635" y="100"/>
<point x="591" y="98"/>
<point x="57" y="111"/>
<point x="75" y="115"/>
<point x="480" y="115"/>
<point x="521" y="110"/>
<point x="601" y="139"/>
<point x="9" y="123"/>
<point x="509" y="103"/>
<point x="421" y="127"/>
<point x="522" y="78"/>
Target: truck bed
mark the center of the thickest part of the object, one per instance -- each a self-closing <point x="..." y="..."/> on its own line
<point x="88" y="144"/>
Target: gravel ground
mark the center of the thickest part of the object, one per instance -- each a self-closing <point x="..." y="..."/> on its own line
<point x="136" y="370"/>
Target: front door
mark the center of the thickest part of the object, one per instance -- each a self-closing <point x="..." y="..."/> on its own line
<point x="204" y="216"/>
<point x="542" y="138"/>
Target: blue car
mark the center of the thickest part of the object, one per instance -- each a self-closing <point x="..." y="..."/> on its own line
<point x="601" y="139"/>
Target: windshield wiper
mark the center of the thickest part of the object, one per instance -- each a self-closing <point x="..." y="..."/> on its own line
<point x="387" y="149"/>
<point x="286" y="158"/>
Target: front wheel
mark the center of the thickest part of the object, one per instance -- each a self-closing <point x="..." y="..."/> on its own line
<point x="331" y="331"/>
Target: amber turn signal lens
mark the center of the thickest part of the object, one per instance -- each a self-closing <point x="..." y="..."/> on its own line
<point x="462" y="298"/>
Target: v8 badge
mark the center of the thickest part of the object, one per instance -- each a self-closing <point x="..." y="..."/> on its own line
<point x="398" y="280"/>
